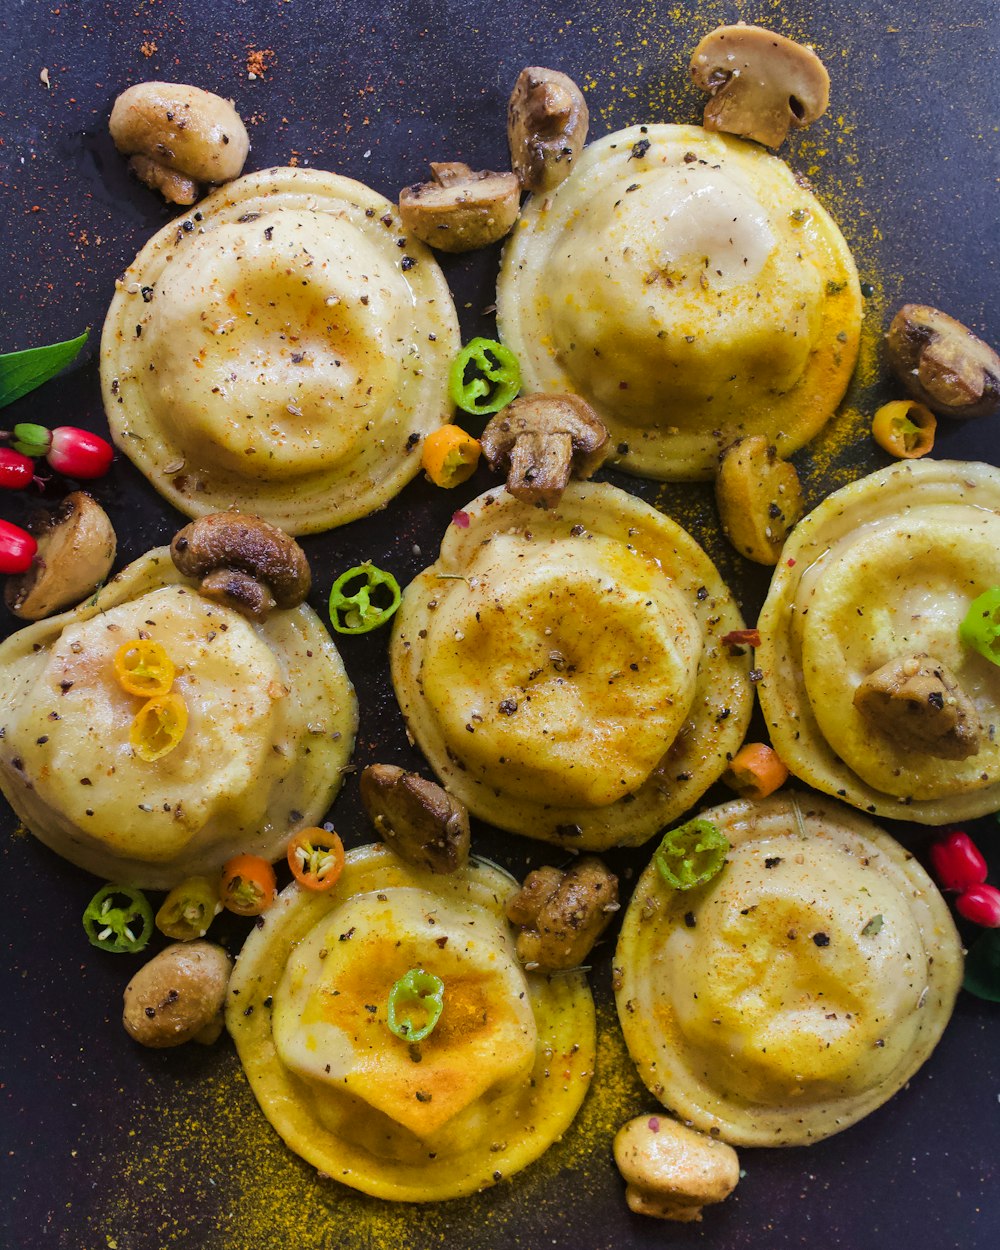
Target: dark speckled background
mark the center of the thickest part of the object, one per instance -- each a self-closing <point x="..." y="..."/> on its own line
<point x="107" y="1147"/>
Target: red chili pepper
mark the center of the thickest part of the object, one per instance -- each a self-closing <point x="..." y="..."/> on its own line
<point x="981" y="905"/>
<point x="742" y="638"/>
<point x="16" y="471"/>
<point x="957" y="863"/>
<point x="17" y="548"/>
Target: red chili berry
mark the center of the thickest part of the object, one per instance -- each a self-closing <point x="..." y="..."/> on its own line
<point x="78" y="453"/>
<point x="957" y="863"/>
<point x="981" y="905"/>
<point x="16" y="471"/>
<point x="17" y="548"/>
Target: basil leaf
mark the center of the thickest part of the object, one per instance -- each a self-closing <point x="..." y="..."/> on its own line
<point x="21" y="372"/>
<point x="982" y="967"/>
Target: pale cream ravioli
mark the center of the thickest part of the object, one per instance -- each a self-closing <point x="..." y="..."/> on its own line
<point x="283" y="346"/>
<point x="271" y="723"/>
<point x="796" y="990"/>
<point x="691" y="290"/>
<point x="497" y="1081"/>
<point x="883" y="568"/>
<point x="564" y="671"/>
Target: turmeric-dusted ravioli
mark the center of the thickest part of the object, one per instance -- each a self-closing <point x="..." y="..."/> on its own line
<point x="799" y="988"/>
<point x="564" y="672"/>
<point x="883" y="573"/>
<point x="284" y="346"/>
<point x="691" y="289"/>
<point x="497" y="1080"/>
<point x="271" y="718"/>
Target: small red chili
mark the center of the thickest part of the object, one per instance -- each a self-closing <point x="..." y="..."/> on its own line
<point x="17" y="548"/>
<point x="957" y="863"/>
<point x="981" y="905"/>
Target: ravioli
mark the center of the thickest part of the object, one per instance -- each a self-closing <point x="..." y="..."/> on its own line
<point x="885" y="567"/>
<point x="564" y="671"/>
<point x="798" y="989"/>
<point x="691" y="290"/>
<point x="271" y="723"/>
<point x="498" y="1080"/>
<point x="283" y="346"/>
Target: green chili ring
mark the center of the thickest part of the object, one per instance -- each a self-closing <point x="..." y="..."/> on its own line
<point x="122" y="929"/>
<point x="981" y="627"/>
<point x="691" y="854"/>
<point x="495" y="382"/>
<point x="359" y="613"/>
<point x="417" y="989"/>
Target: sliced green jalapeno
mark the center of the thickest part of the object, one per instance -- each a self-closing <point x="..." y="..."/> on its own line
<point x="691" y="854"/>
<point x="415" y="1005"/>
<point x="981" y="628"/>
<point x="356" y="613"/>
<point x="484" y="377"/>
<point x="118" y="919"/>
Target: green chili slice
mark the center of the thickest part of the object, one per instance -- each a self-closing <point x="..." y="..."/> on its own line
<point x="356" y="613"/>
<point x="691" y="854"/>
<point x="484" y="377"/>
<point x="415" y="1004"/>
<point x="118" y="919"/>
<point x="189" y="909"/>
<point x="981" y="628"/>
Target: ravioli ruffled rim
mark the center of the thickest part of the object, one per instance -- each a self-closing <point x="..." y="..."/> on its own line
<point x="327" y="716"/>
<point x="381" y="465"/>
<point x="723" y="696"/>
<point x="793" y="419"/>
<point x="668" y="1067"/>
<point x="890" y="495"/>
<point x="553" y="1091"/>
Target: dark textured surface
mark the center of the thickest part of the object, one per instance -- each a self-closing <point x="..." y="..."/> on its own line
<point x="106" y="1147"/>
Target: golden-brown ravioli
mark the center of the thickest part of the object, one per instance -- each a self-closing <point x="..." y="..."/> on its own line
<point x="497" y="1081"/>
<point x="799" y="988"/>
<point x="563" y="671"/>
<point x="271" y="723"/>
<point x="283" y="346"/>
<point x="684" y="283"/>
<point x="883" y="568"/>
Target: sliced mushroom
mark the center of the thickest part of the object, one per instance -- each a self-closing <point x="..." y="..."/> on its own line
<point x="547" y="121"/>
<point x="179" y="137"/>
<point x="672" y="1171"/>
<point x="759" y="83"/>
<point x="543" y="440"/>
<point x="243" y="562"/>
<point x="421" y="821"/>
<point x="916" y="702"/>
<point x="76" y="549"/>
<point x="178" y="996"/>
<point x="759" y="498"/>
<point x="461" y="209"/>
<point x="942" y="363"/>
<point x="562" y="914"/>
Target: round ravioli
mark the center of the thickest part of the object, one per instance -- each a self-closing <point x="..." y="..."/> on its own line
<point x="564" y="671"/>
<point x="691" y="290"/>
<point x="799" y="988"/>
<point x="882" y="574"/>
<point x="498" y="1079"/>
<point x="271" y="718"/>
<point x="285" y="345"/>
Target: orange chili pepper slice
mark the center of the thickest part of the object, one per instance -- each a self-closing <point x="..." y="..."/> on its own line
<point x="905" y="429"/>
<point x="143" y="667"/>
<point x="450" y="456"/>
<point x="158" y="726"/>
<point x="248" y="885"/>
<point x="316" y="858"/>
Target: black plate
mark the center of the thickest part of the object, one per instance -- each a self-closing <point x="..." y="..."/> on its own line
<point x="105" y="1145"/>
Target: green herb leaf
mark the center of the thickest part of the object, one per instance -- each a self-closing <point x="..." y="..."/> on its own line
<point x="21" y="372"/>
<point x="873" y="926"/>
<point x="982" y="967"/>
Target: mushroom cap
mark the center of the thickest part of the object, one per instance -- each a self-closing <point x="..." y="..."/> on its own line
<point x="547" y="122"/>
<point x="942" y="363"/>
<point x="672" y="1171"/>
<point x="460" y="209"/>
<point x="760" y="83"/>
<point x="238" y="540"/>
<point x="417" y="818"/>
<point x="178" y="996"/>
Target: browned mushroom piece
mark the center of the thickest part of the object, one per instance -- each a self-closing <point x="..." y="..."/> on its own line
<point x="917" y="703"/>
<point x="670" y="1170"/>
<point x="76" y="549"/>
<point x="759" y="83"/>
<point x="461" y="209"/>
<point x="180" y="138"/>
<point x="942" y="363"/>
<point x="244" y="562"/>
<point x="178" y="996"/>
<point x="759" y="498"/>
<point x="547" y="121"/>
<point x="418" y="819"/>
<point x="562" y="914"/>
<point x="543" y="440"/>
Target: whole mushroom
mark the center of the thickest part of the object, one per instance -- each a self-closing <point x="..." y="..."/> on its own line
<point x="460" y="209"/>
<point x="672" y="1171"/>
<point x="422" y="822"/>
<point x="76" y="549"/>
<point x="942" y="363"/>
<point x="760" y="83"/>
<point x="180" y="138"/>
<point x="178" y="996"/>
<point x="244" y="562"/>
<point x="547" y="121"/>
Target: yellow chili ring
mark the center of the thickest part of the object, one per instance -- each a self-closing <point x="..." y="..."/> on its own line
<point x="905" y="429"/>
<point x="143" y="667"/>
<point x="450" y="456"/>
<point x="158" y="726"/>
